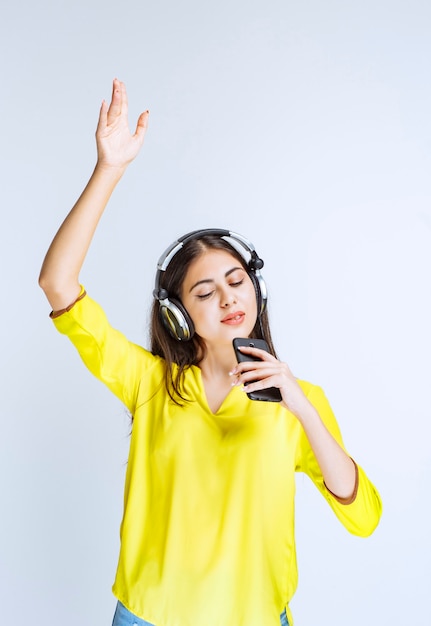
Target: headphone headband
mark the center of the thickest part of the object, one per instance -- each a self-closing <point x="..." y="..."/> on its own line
<point x="171" y="251"/>
<point x="173" y="314"/>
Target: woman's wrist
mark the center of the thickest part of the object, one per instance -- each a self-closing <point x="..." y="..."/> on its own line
<point x="302" y="409"/>
<point x="108" y="170"/>
<point x="307" y="414"/>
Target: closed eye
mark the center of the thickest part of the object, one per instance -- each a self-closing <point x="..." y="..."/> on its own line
<point x="204" y="296"/>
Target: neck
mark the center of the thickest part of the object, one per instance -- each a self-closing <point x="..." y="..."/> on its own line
<point x="218" y="363"/>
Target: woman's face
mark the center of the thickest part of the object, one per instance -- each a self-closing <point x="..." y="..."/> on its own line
<point x="220" y="298"/>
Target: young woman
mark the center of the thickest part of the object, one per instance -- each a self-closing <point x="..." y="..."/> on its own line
<point x="207" y="537"/>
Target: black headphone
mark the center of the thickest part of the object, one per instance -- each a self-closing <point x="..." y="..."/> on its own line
<point x="173" y="315"/>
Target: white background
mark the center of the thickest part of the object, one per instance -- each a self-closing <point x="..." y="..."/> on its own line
<point x="305" y="127"/>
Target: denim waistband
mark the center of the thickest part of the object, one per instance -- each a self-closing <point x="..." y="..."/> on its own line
<point x="123" y="617"/>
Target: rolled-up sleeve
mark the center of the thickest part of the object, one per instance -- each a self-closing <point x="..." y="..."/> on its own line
<point x="361" y="513"/>
<point x="120" y="364"/>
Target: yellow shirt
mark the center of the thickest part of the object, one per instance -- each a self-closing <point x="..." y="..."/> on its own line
<point x="207" y="536"/>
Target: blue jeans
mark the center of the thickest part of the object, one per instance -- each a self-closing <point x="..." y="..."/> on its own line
<point x="123" y="617"/>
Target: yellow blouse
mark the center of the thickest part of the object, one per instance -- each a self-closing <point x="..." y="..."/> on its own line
<point x="207" y="536"/>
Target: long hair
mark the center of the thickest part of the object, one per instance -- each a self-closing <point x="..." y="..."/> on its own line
<point x="180" y="355"/>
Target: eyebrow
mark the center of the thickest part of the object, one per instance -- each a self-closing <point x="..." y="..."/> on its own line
<point x="211" y="280"/>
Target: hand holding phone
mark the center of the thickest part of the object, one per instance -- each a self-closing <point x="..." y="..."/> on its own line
<point x="272" y="394"/>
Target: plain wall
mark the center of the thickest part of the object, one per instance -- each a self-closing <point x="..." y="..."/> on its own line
<point x="305" y="126"/>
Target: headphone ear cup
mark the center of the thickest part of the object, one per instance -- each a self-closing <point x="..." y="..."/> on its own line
<point x="260" y="290"/>
<point x="176" y="320"/>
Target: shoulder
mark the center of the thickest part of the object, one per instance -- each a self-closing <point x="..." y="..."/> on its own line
<point x="309" y="388"/>
<point x="85" y="323"/>
<point x="317" y="397"/>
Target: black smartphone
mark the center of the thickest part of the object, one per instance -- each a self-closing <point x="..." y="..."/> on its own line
<point x="272" y="394"/>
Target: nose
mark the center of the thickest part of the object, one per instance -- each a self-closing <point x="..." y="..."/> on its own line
<point x="227" y="299"/>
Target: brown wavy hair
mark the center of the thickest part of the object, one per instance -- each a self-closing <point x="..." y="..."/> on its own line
<point x="180" y="355"/>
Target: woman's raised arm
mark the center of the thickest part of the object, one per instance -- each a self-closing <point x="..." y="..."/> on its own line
<point x="116" y="148"/>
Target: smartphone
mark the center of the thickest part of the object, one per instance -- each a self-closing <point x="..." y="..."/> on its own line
<point x="272" y="394"/>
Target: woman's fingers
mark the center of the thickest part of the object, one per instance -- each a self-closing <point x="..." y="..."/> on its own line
<point x="142" y="124"/>
<point x="117" y="101"/>
<point x="103" y="114"/>
<point x="258" y="375"/>
<point x="262" y="374"/>
<point x="273" y="376"/>
<point x="270" y="372"/>
<point x="265" y="359"/>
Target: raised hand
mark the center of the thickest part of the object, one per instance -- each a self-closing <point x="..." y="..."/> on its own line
<point x="116" y="146"/>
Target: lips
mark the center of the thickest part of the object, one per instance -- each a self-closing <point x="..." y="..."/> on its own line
<point x="234" y="318"/>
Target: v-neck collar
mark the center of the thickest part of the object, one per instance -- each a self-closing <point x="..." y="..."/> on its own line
<point x="233" y="405"/>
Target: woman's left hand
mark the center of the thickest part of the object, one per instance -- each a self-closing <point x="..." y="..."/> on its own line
<point x="270" y="372"/>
